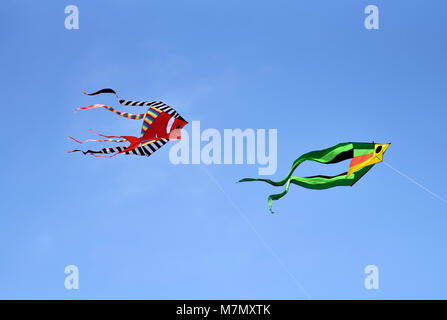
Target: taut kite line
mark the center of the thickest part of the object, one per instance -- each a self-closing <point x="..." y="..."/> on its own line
<point x="363" y="155"/>
<point x="161" y="123"/>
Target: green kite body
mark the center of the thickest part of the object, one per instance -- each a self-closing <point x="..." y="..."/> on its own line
<point x="363" y="155"/>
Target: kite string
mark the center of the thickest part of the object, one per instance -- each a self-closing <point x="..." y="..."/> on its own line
<point x="252" y="227"/>
<point x="416" y="183"/>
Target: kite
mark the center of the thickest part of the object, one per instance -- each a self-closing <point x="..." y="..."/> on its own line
<point x="161" y="123"/>
<point x="363" y="155"/>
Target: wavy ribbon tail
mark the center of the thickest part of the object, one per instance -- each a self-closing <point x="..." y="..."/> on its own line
<point x="277" y="196"/>
<point x="103" y="140"/>
<point x="273" y="183"/>
<point x="90" y="152"/>
<point x="101" y="135"/>
<point x="93" y="106"/>
<point x="134" y="143"/>
<point x="108" y="90"/>
<point x="76" y="140"/>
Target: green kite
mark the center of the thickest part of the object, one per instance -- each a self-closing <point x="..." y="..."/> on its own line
<point x="363" y="155"/>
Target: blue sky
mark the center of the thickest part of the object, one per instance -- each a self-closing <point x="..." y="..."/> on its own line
<point x="145" y="228"/>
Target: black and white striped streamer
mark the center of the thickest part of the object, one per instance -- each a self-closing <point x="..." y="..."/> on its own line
<point x="157" y="104"/>
<point x="146" y="150"/>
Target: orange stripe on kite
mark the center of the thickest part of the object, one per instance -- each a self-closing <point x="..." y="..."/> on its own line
<point x="360" y="159"/>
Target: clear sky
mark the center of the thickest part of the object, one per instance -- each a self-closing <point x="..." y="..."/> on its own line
<point x="140" y="227"/>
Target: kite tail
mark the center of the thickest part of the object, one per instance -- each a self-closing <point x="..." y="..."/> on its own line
<point x="91" y="152"/>
<point x="158" y="104"/>
<point x="134" y="142"/>
<point x="121" y="114"/>
<point x="103" y="140"/>
<point x="277" y="196"/>
<point x="334" y="154"/>
<point x="320" y="182"/>
<point x="122" y="101"/>
<point x="93" y="140"/>
<point x="108" y="90"/>
<point x="316" y="182"/>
